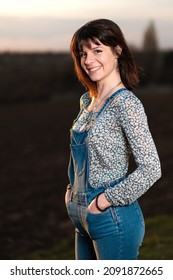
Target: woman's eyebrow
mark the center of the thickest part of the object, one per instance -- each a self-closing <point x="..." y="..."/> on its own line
<point x="96" y="47"/>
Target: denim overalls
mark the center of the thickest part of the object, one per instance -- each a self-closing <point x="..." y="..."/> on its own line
<point x="116" y="233"/>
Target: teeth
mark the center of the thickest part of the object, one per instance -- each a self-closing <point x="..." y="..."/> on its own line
<point x="94" y="69"/>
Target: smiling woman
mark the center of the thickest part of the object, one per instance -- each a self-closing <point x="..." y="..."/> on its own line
<point x="101" y="196"/>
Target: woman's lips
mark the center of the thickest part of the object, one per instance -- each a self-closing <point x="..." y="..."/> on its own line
<point x="93" y="69"/>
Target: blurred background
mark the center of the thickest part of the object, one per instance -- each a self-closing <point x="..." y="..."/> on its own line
<point x="39" y="98"/>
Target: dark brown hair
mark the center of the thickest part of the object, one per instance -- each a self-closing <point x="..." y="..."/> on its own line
<point x="109" y="34"/>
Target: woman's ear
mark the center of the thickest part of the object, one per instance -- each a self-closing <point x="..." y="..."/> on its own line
<point x="118" y="50"/>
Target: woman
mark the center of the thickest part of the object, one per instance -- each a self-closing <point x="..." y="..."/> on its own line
<point x="101" y="197"/>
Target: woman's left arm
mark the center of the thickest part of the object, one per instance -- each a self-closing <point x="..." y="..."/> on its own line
<point x="133" y="121"/>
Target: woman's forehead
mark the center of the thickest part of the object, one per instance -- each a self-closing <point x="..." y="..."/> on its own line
<point x="88" y="44"/>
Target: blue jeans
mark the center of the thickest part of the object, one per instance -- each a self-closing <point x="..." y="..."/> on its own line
<point x="116" y="233"/>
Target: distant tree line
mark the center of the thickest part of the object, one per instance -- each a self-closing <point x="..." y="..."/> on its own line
<point x="157" y="66"/>
<point x="28" y="77"/>
<point x="31" y="77"/>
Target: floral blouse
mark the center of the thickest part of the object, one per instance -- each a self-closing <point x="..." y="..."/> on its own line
<point x="121" y="129"/>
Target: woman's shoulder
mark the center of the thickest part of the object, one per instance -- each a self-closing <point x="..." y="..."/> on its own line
<point x="128" y="95"/>
<point x="127" y="98"/>
<point x="126" y="104"/>
<point x="85" y="100"/>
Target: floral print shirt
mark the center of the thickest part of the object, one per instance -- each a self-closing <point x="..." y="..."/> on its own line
<point x="120" y="129"/>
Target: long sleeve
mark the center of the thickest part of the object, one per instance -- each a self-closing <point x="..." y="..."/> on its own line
<point x="133" y="120"/>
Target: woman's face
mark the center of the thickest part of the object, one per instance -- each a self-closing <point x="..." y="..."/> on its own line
<point x="98" y="61"/>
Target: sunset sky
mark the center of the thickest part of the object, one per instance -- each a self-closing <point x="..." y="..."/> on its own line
<point x="42" y="25"/>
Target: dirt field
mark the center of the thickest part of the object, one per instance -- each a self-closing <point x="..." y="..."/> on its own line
<point x="34" y="150"/>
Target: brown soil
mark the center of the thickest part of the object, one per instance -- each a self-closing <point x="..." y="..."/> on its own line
<point x="34" y="148"/>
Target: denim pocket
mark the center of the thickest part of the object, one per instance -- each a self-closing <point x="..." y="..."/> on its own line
<point x="97" y="214"/>
<point x="101" y="224"/>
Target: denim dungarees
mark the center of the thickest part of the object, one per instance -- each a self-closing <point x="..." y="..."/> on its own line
<point x="116" y="233"/>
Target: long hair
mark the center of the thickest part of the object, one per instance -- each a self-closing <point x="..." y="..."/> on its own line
<point x="109" y="34"/>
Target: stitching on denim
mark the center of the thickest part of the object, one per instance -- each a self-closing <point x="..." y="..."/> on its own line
<point x="139" y="213"/>
<point x="114" y="214"/>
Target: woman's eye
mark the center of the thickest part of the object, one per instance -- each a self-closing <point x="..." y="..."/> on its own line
<point x="98" y="51"/>
<point x="82" y="54"/>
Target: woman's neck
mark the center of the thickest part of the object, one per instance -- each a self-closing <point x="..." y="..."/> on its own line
<point x="104" y="87"/>
<point x="106" y="90"/>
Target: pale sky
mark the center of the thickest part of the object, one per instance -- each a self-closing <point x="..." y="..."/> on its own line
<point x="49" y="24"/>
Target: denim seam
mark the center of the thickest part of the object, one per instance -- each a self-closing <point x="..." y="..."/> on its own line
<point x="116" y="218"/>
<point x="114" y="214"/>
<point x="138" y="213"/>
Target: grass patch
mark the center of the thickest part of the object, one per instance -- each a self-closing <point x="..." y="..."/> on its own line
<point x="64" y="251"/>
<point x="158" y="241"/>
<point x="157" y="245"/>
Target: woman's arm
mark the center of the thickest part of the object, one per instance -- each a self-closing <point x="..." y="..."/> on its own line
<point x="133" y="121"/>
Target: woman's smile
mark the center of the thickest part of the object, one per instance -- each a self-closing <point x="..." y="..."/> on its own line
<point x="93" y="69"/>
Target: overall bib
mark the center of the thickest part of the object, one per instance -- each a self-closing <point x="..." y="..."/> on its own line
<point x="116" y="233"/>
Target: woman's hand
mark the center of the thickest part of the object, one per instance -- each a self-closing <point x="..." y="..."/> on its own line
<point x="92" y="207"/>
<point x="67" y="195"/>
<point x="103" y="203"/>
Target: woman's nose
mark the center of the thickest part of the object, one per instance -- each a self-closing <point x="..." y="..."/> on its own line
<point x="89" y="59"/>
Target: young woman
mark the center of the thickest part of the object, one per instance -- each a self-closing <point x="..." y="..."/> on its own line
<point x="101" y="197"/>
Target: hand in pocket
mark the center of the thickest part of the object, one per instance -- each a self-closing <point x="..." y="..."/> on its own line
<point x="67" y="195"/>
<point x="92" y="207"/>
<point x="99" y="204"/>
